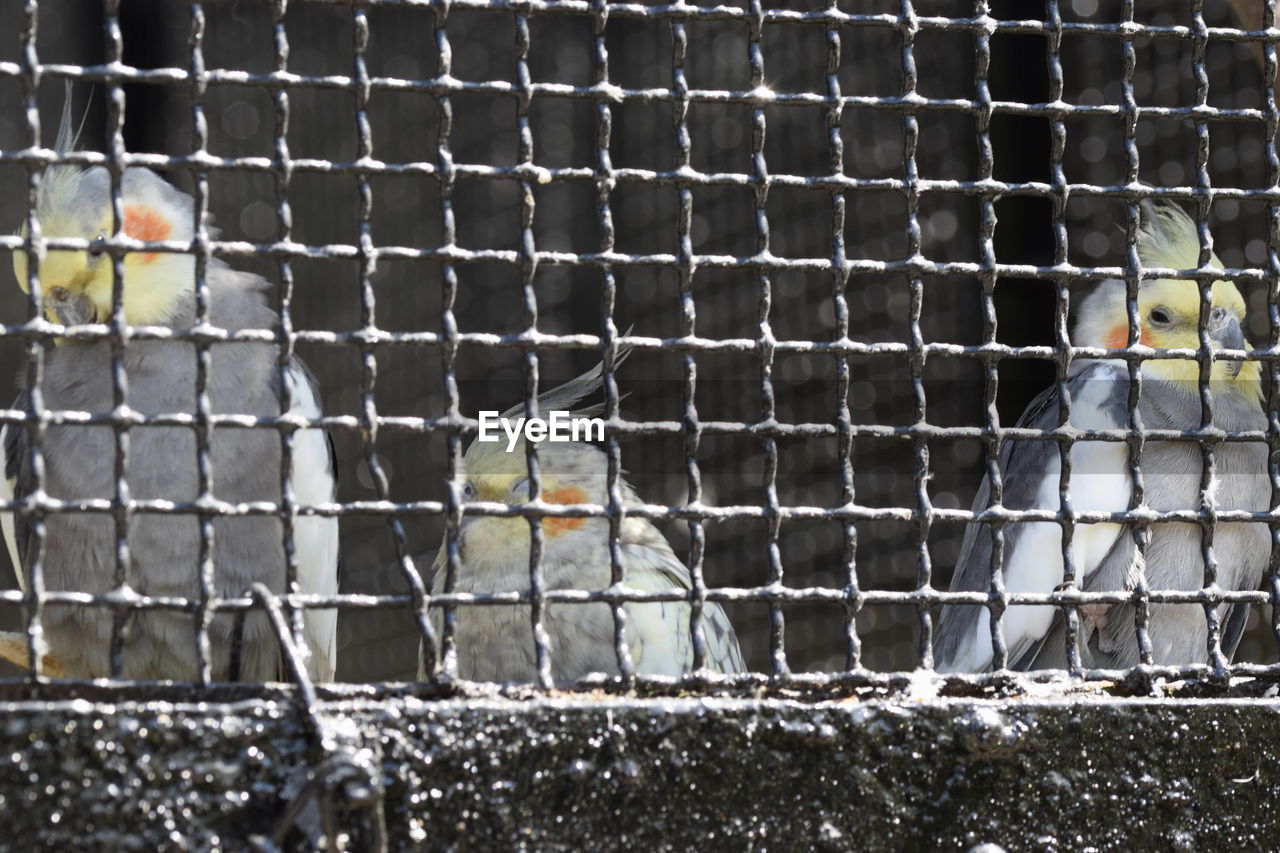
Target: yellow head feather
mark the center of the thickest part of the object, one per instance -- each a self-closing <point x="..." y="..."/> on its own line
<point x="569" y="473"/>
<point x="1169" y="309"/>
<point x="76" y="285"/>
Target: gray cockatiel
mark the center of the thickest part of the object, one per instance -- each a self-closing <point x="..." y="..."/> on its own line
<point x="495" y="642"/>
<point x="243" y="378"/>
<point x="1105" y="555"/>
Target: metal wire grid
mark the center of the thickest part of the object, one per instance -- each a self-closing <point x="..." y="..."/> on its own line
<point x="841" y="268"/>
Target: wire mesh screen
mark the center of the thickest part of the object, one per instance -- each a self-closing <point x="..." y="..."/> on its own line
<point x="839" y="242"/>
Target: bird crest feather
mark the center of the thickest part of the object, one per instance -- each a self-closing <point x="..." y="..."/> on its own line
<point x="564" y="397"/>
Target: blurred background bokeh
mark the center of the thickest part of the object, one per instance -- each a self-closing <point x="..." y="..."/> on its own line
<point x="406" y="212"/>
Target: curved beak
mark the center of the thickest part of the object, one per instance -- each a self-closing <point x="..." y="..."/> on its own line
<point x="73" y="311"/>
<point x="1229" y="335"/>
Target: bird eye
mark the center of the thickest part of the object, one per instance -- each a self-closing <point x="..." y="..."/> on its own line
<point x="98" y="245"/>
<point x="1160" y="317"/>
<point x="468" y="492"/>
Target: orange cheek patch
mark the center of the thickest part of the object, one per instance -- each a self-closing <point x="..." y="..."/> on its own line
<point x="143" y="223"/>
<point x="1119" y="338"/>
<point x="565" y="495"/>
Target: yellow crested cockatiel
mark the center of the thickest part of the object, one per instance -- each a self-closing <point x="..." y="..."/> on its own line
<point x="79" y="461"/>
<point x="495" y="642"/>
<point x="1105" y="556"/>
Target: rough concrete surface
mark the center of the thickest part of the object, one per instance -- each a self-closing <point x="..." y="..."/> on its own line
<point x="1031" y="772"/>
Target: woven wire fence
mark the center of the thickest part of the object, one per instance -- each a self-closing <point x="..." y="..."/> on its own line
<point x="846" y="243"/>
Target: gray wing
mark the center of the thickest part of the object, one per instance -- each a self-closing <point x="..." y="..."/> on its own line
<point x="1233" y="629"/>
<point x="1024" y="466"/>
<point x="659" y="632"/>
<point x="958" y="623"/>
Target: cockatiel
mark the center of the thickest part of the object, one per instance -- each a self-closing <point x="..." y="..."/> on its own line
<point x="243" y="378"/>
<point x="495" y="642"/>
<point x="1105" y="555"/>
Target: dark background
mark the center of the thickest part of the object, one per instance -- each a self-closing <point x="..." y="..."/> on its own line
<point x="406" y="212"/>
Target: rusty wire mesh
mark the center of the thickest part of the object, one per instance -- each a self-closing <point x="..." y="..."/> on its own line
<point x="860" y="226"/>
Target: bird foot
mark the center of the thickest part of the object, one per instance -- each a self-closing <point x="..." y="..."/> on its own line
<point x="1093" y="617"/>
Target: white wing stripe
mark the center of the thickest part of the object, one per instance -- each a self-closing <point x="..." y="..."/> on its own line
<point x="315" y="538"/>
<point x="7" y="521"/>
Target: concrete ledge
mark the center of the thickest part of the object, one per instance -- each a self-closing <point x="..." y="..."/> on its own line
<point x="583" y="772"/>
